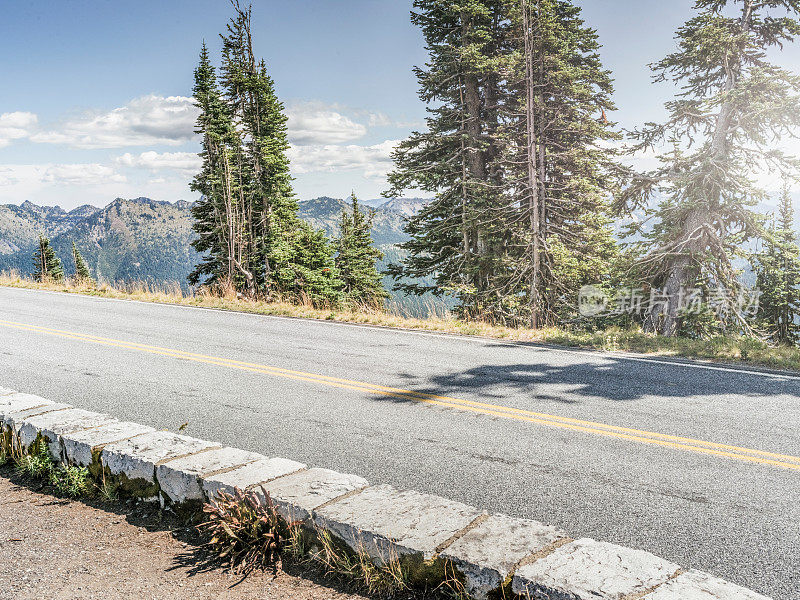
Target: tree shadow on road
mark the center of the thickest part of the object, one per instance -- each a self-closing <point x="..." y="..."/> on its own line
<point x="608" y="378"/>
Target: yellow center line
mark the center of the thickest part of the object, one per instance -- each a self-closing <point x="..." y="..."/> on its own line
<point x="596" y="428"/>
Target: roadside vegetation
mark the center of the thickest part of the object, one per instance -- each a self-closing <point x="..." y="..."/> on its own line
<point x="37" y="463"/>
<point x="730" y="348"/>
<point x="245" y="532"/>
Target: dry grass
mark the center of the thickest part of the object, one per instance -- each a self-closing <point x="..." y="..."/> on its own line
<point x="730" y="349"/>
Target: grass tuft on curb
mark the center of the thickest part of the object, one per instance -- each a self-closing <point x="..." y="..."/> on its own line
<point x="36" y="462"/>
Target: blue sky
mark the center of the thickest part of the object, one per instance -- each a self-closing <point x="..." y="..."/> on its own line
<point x="94" y="95"/>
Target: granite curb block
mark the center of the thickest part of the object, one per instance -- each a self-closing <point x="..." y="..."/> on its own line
<point x="81" y="447"/>
<point x="489" y="553"/>
<point x="494" y="553"/>
<point x="53" y="425"/>
<point x="586" y="568"/>
<point x="249" y="476"/>
<point x="299" y="494"/>
<point x="137" y="458"/>
<point x="384" y="521"/>
<point x="179" y="478"/>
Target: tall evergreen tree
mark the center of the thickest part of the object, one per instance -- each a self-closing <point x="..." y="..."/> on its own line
<point x="557" y="164"/>
<point x="734" y="103"/>
<point x="777" y="269"/>
<point x="513" y="153"/>
<point x="82" y="274"/>
<point x="47" y="266"/>
<point x="217" y="182"/>
<point x="356" y="257"/>
<point x="246" y="220"/>
<point x="448" y="242"/>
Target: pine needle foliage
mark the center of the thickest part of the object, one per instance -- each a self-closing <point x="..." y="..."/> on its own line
<point x="47" y="266"/>
<point x="356" y="258"/>
<point x="777" y="269"/>
<point x="733" y="106"/>
<point x="82" y="274"/>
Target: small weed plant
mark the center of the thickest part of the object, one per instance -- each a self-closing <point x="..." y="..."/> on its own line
<point x="107" y="489"/>
<point x="71" y="481"/>
<point x="37" y="463"/>
<point x="386" y="579"/>
<point x="245" y="530"/>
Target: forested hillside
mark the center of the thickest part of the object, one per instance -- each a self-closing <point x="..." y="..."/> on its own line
<point x="148" y="240"/>
<point x="139" y="239"/>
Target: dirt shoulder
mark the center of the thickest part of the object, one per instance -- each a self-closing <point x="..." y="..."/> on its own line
<point x="61" y="549"/>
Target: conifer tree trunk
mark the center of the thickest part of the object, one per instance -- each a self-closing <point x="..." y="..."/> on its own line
<point x="532" y="167"/>
<point x="697" y="228"/>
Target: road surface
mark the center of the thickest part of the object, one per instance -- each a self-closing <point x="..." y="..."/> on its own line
<point x="696" y="463"/>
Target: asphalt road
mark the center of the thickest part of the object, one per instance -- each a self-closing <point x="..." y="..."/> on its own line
<point x="695" y="463"/>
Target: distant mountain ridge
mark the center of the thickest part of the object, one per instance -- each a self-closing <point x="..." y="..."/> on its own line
<point x="150" y="240"/>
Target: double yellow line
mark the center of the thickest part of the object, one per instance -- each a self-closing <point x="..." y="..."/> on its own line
<point x="592" y="427"/>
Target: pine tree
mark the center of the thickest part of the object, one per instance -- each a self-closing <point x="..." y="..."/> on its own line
<point x="777" y="270"/>
<point x="513" y="153"/>
<point x="448" y="241"/>
<point x="217" y="182"/>
<point x="47" y="266"/>
<point x="246" y="220"/>
<point x="82" y="274"/>
<point x="305" y="268"/>
<point x="558" y="169"/>
<point x="733" y="104"/>
<point x="356" y="257"/>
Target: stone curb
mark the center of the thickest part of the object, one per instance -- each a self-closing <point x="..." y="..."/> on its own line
<point x="491" y="552"/>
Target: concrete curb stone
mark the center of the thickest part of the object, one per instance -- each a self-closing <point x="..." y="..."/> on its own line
<point x="384" y="521"/>
<point x="13" y="419"/>
<point x="488" y="553"/>
<point x="587" y="570"/>
<point x="696" y="585"/>
<point x="137" y="458"/>
<point x="248" y="476"/>
<point x="53" y="425"/>
<point x="80" y="446"/>
<point x="179" y="478"/>
<point x="15" y="402"/>
<point x="299" y="494"/>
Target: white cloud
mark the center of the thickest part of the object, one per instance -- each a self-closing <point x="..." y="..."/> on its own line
<point x="8" y="177"/>
<point x="316" y="123"/>
<point x="15" y="126"/>
<point x="155" y="161"/>
<point x="81" y="174"/>
<point x="144" y="121"/>
<point x="378" y="119"/>
<point x="373" y="161"/>
<point x="71" y="185"/>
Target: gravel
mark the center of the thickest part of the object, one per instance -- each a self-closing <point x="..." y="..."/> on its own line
<point x="61" y="549"/>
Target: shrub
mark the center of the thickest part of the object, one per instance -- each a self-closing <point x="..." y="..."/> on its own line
<point x="37" y="463"/>
<point x="245" y="530"/>
<point x="70" y="481"/>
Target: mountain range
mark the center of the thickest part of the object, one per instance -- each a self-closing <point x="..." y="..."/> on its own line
<point x="149" y="240"/>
